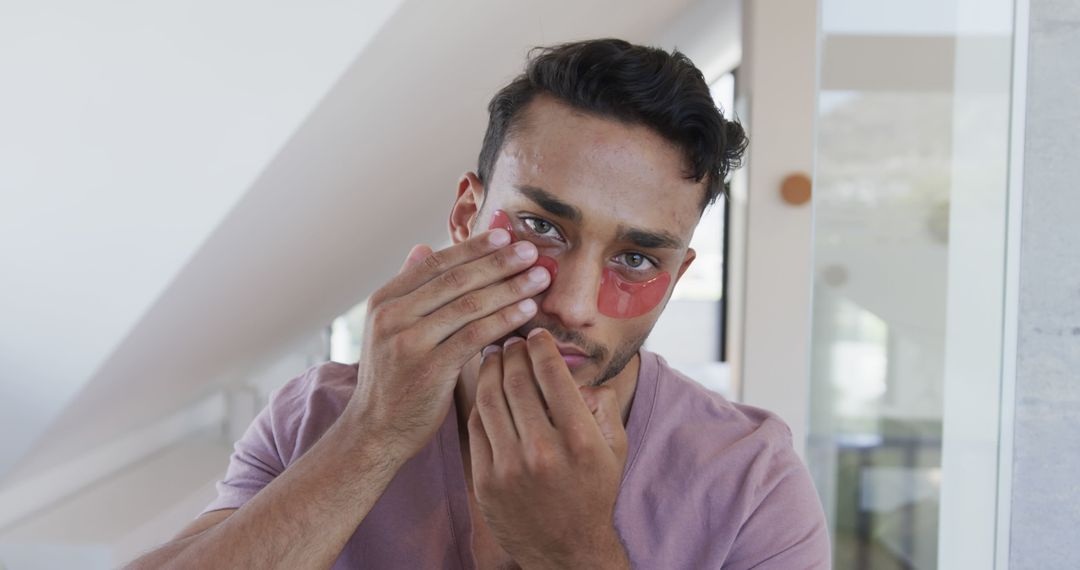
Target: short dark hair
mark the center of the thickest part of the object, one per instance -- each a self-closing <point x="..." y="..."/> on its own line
<point x="631" y="83"/>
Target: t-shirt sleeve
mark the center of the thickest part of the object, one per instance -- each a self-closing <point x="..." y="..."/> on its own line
<point x="787" y="529"/>
<point x="265" y="449"/>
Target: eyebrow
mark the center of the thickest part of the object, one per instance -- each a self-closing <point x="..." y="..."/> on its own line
<point x="549" y="202"/>
<point x="649" y="239"/>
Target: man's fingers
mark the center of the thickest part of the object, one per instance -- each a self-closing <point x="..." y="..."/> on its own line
<point x="470" y="339"/>
<point x="479" y="447"/>
<point x="555" y="380"/>
<point x="436" y="263"/>
<point x="604" y="405"/>
<point x="493" y="409"/>
<point x="526" y="403"/>
<point x="452" y="317"/>
<point x="416" y="254"/>
<point x="466" y="278"/>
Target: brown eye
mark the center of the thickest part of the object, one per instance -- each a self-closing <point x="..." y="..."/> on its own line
<point x="637" y="261"/>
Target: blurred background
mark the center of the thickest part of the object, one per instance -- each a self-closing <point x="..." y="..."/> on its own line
<point x="197" y="198"/>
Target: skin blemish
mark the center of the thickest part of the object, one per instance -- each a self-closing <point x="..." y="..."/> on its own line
<point x="618" y="298"/>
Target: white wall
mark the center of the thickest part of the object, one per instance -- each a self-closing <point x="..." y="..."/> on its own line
<point x="777" y="77"/>
<point x="1045" y="495"/>
<point x="129" y="133"/>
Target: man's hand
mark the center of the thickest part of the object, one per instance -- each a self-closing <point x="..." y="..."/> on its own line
<point x="422" y="327"/>
<point x="546" y="480"/>
<point x="426" y="323"/>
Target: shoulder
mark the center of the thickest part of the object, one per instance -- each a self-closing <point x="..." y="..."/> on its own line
<point x="296" y="416"/>
<point x="302" y="409"/>
<point x="696" y="416"/>
<point x="320" y="385"/>
<point x="741" y="460"/>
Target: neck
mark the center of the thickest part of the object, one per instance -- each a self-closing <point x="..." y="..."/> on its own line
<point x="624" y="383"/>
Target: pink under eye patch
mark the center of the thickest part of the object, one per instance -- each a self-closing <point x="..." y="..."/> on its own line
<point x="618" y="298"/>
<point x="624" y="299"/>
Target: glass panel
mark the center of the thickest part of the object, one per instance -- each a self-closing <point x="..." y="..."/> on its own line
<point x="911" y="147"/>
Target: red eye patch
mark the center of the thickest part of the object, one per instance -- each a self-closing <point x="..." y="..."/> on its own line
<point x="618" y="298"/>
<point x="624" y="299"/>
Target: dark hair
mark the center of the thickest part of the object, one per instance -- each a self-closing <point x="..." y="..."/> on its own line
<point x="631" y="83"/>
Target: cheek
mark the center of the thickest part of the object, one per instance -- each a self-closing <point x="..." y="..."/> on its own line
<point x="621" y="299"/>
<point x="618" y="298"/>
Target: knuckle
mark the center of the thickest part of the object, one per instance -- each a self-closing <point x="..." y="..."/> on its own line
<point x="469" y="304"/>
<point x="375" y="300"/>
<point x="487" y="401"/>
<point x="501" y="260"/>
<point x="517" y="382"/>
<point x="472" y="336"/>
<point x="509" y="471"/>
<point x="435" y="261"/>
<point x="516" y="286"/>
<point x="475" y="422"/>
<point x="550" y="366"/>
<point x="478" y="246"/>
<point x="452" y="279"/>
<point x="380" y="319"/>
<point x="510" y="317"/>
<point x="540" y="456"/>
<point x="399" y="343"/>
<point x="577" y="440"/>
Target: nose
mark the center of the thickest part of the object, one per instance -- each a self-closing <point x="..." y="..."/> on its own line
<point x="571" y="298"/>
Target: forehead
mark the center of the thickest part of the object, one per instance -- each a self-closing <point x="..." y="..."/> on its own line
<point x="613" y="172"/>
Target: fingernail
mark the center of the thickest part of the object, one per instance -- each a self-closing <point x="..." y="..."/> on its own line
<point x="525" y="249"/>
<point x="534" y="332"/>
<point x="511" y="341"/>
<point x="499" y="237"/>
<point x="537" y="275"/>
<point x="490" y="349"/>
<point x="527" y="306"/>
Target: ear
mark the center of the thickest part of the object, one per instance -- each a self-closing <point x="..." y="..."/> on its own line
<point x="470" y="197"/>
<point x="690" y="256"/>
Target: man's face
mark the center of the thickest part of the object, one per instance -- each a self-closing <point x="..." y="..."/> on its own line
<point x="594" y="194"/>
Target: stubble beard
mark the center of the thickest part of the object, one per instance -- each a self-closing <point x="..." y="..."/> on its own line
<point x="620" y="357"/>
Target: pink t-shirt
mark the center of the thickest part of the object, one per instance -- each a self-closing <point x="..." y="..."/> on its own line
<point x="707" y="483"/>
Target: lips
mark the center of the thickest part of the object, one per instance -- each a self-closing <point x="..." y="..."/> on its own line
<point x="572" y="356"/>
<point x="570" y="350"/>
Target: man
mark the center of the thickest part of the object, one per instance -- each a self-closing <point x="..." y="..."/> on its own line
<point x="502" y="413"/>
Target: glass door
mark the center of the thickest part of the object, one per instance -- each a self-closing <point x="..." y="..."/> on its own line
<point x="910" y="203"/>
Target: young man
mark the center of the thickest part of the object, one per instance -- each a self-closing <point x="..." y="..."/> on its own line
<point x="503" y="413"/>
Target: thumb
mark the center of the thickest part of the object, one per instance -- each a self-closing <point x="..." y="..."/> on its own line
<point x="417" y="253"/>
<point x="605" y="410"/>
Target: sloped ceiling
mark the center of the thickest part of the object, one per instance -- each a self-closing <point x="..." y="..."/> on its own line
<point x="129" y="132"/>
